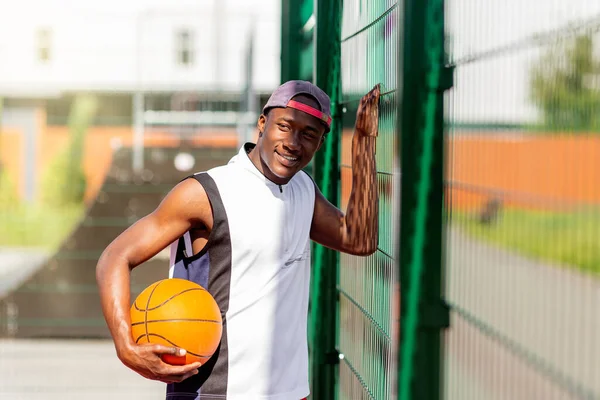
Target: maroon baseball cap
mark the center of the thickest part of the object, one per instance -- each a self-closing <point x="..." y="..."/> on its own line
<point x="283" y="95"/>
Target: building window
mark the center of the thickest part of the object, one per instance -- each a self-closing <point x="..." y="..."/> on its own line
<point x="184" y="47"/>
<point x="44" y="39"/>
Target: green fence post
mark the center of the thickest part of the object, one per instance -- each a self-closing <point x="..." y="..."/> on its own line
<point x="423" y="312"/>
<point x="297" y="37"/>
<point x="322" y="329"/>
<point x="290" y="43"/>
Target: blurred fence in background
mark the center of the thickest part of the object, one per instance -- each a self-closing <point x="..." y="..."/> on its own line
<point x="107" y="124"/>
<point x="523" y="200"/>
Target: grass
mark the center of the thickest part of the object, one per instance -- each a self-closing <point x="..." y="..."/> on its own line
<point x="36" y="226"/>
<point x="566" y="238"/>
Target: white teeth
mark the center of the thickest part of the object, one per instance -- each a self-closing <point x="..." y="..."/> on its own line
<point x="290" y="158"/>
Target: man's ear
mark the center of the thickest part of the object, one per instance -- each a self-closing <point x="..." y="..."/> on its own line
<point x="262" y="121"/>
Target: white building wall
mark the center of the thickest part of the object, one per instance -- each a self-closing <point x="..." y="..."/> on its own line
<point x="119" y="45"/>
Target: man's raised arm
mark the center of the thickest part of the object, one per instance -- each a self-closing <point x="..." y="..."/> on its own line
<point x="356" y="232"/>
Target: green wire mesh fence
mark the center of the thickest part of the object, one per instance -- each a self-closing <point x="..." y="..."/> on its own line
<point x="355" y="44"/>
<point x="367" y="285"/>
<point x="523" y="166"/>
<point x="516" y="143"/>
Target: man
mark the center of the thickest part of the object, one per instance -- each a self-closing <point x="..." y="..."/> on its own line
<point x="243" y="231"/>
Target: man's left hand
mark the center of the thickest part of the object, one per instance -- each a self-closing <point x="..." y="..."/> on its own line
<point x="367" y="116"/>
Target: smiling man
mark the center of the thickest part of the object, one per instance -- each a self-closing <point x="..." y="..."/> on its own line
<point x="243" y="232"/>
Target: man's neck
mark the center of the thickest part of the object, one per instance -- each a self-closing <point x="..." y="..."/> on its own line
<point x="254" y="156"/>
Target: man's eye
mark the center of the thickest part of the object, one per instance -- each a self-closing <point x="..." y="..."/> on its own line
<point x="284" y="127"/>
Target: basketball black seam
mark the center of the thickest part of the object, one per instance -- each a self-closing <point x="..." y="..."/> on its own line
<point x="173" y="344"/>
<point x="146" y="311"/>
<point x="178" y="320"/>
<point x="166" y="301"/>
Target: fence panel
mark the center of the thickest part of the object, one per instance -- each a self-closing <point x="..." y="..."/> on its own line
<point x="523" y="236"/>
<point x="367" y="285"/>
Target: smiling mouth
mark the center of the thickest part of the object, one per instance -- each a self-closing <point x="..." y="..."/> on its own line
<point x="287" y="161"/>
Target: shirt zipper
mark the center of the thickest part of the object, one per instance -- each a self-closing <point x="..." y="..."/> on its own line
<point x="280" y="189"/>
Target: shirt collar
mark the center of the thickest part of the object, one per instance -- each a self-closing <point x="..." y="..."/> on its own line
<point x="243" y="160"/>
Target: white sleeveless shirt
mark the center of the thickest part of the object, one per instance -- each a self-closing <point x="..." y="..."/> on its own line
<point x="257" y="266"/>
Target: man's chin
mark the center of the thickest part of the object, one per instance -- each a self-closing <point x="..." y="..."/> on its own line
<point x="283" y="174"/>
<point x="285" y="177"/>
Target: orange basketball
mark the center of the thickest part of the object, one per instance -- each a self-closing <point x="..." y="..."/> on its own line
<point x="181" y="313"/>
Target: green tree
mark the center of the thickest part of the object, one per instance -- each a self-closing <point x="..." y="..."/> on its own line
<point x="565" y="85"/>
<point x="8" y="191"/>
<point x="64" y="182"/>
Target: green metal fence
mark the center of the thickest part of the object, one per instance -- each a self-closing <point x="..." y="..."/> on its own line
<point x="311" y="51"/>
<point x="425" y="79"/>
<point x="354" y="326"/>
<point x="491" y="111"/>
<point x="366" y="285"/>
<point x="522" y="234"/>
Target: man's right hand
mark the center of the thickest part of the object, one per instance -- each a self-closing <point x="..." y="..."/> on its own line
<point x="185" y="207"/>
<point x="145" y="359"/>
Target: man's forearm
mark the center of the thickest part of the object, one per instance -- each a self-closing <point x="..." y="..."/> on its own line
<point x="113" y="277"/>
<point x="362" y="221"/>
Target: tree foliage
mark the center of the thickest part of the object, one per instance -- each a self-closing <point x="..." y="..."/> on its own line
<point x="565" y="85"/>
<point x="8" y="190"/>
<point x="64" y="182"/>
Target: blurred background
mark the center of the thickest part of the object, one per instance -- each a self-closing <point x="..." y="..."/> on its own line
<point x="105" y="106"/>
<point x="485" y="281"/>
<point x="522" y="231"/>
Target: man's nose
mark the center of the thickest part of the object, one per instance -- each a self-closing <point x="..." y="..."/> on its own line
<point x="292" y="141"/>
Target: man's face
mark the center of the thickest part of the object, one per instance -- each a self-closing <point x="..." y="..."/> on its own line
<point x="289" y="140"/>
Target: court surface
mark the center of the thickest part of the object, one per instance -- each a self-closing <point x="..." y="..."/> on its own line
<point x="69" y="369"/>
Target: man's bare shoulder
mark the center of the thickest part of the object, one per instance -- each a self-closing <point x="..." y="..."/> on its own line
<point x="189" y="200"/>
